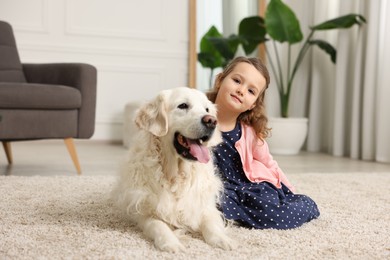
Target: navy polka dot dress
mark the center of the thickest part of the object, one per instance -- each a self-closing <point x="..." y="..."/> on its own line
<point x="257" y="205"/>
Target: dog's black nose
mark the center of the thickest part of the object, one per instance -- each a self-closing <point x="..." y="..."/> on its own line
<point x="209" y="121"/>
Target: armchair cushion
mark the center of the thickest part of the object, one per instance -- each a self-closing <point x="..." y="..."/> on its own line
<point x="38" y="96"/>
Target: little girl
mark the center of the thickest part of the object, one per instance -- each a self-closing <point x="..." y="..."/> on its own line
<point x="257" y="193"/>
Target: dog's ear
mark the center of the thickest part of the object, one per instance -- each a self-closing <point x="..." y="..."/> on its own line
<point x="153" y="116"/>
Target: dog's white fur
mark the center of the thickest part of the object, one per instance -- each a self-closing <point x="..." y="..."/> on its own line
<point x="161" y="191"/>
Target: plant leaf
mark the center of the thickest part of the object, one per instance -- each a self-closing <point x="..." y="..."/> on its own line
<point x="325" y="46"/>
<point x="227" y="47"/>
<point x="341" y="22"/>
<point x="209" y="60"/>
<point x="281" y="23"/>
<point x="209" y="56"/>
<point x="251" y="31"/>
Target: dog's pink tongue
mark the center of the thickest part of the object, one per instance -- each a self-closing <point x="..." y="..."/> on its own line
<point x="200" y="152"/>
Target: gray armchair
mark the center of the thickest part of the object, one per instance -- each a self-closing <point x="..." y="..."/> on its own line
<point x="44" y="101"/>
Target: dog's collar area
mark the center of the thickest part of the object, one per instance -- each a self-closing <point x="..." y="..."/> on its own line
<point x="192" y="149"/>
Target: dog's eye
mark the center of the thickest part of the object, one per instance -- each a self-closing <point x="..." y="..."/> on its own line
<point x="183" y="106"/>
<point x="207" y="109"/>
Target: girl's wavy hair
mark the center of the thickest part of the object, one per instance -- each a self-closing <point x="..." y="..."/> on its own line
<point x="255" y="117"/>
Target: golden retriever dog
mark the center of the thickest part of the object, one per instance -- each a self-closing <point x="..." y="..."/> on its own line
<point x="168" y="184"/>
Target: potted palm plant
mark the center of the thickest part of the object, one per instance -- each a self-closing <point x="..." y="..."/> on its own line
<point x="279" y="25"/>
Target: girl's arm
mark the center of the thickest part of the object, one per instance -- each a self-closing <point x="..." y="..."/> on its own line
<point x="263" y="155"/>
<point x="257" y="161"/>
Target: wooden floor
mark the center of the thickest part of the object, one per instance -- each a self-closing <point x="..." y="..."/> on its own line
<point x="50" y="158"/>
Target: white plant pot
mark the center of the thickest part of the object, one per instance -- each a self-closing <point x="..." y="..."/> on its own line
<point x="287" y="135"/>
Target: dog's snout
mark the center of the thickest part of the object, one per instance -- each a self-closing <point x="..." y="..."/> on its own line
<point x="209" y="121"/>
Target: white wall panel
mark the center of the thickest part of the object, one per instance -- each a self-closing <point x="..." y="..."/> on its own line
<point x="125" y="85"/>
<point x="119" y="18"/>
<point x="33" y="19"/>
<point x="138" y="47"/>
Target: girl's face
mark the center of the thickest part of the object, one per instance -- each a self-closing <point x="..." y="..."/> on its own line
<point x="240" y="89"/>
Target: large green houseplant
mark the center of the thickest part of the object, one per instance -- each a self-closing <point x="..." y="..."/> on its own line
<point x="280" y="24"/>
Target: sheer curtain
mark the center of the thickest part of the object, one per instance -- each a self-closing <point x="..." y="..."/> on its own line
<point x="349" y="101"/>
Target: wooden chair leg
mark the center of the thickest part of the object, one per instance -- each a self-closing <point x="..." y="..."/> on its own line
<point x="73" y="154"/>
<point x="8" y="151"/>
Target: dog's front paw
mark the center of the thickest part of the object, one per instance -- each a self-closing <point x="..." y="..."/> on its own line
<point x="171" y="245"/>
<point x="221" y="241"/>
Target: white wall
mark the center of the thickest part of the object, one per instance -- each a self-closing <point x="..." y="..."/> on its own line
<point x="138" y="47"/>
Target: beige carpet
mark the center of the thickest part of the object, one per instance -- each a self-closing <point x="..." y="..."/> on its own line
<point x="72" y="218"/>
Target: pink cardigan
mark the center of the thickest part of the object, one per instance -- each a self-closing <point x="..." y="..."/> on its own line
<point x="257" y="161"/>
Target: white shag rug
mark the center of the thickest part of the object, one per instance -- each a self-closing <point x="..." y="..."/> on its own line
<point x="72" y="217"/>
